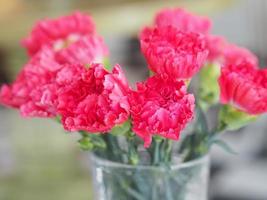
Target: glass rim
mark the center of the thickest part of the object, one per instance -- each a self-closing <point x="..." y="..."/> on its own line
<point x="113" y="164"/>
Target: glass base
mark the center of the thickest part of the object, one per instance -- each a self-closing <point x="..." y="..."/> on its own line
<point x="184" y="181"/>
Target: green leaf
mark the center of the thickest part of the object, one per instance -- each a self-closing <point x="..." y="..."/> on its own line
<point x="201" y="125"/>
<point x="233" y="119"/>
<point x="224" y="146"/>
<point x="185" y="142"/>
<point x="121" y="129"/>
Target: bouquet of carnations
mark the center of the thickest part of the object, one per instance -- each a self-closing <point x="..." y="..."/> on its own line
<point x="68" y="78"/>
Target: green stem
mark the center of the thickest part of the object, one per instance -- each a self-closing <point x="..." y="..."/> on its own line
<point x="125" y="184"/>
<point x="156" y="156"/>
<point x="133" y="157"/>
<point x="169" y="195"/>
<point x="132" y="154"/>
<point x="93" y="142"/>
<point x="134" y="194"/>
<point x="83" y="134"/>
<point x="218" y="129"/>
<point x="168" y="151"/>
<point x="113" y="150"/>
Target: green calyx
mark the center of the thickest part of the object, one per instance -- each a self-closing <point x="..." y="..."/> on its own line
<point x="231" y="118"/>
<point x="106" y="63"/>
<point x="208" y="85"/>
<point x="122" y="129"/>
<point x="133" y="155"/>
<point x="151" y="73"/>
<point x="86" y="144"/>
<point x="91" y="141"/>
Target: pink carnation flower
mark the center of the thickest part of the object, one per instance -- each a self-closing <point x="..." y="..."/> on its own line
<point x="235" y="55"/>
<point x="33" y="92"/>
<point x="160" y="106"/>
<point x="215" y="45"/>
<point x="225" y="53"/>
<point x="244" y="87"/>
<point x="183" y="20"/>
<point x="92" y="99"/>
<point x="59" y="33"/>
<point x="87" y="50"/>
<point x="172" y="52"/>
<point x="15" y="95"/>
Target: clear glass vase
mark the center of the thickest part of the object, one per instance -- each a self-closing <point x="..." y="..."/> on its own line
<point x="116" y="181"/>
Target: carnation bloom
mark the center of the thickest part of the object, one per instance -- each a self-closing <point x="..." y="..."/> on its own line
<point x="33" y="92"/>
<point x="226" y="53"/>
<point x="160" y="106"/>
<point x="59" y="33"/>
<point x="244" y="87"/>
<point x="15" y="95"/>
<point x="87" y="50"/>
<point x="218" y="47"/>
<point x="235" y="55"/>
<point x="172" y="52"/>
<point x="183" y="20"/>
<point x="72" y="38"/>
<point x="215" y="45"/>
<point x="92" y="99"/>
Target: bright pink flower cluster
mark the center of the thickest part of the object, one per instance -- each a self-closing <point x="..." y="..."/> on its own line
<point x="160" y="106"/>
<point x="244" y="87"/>
<point x="92" y="99"/>
<point x="226" y="53"/>
<point x="242" y="84"/>
<point x="52" y="44"/>
<point x="215" y="45"/>
<point x="63" y="79"/>
<point x="87" y="50"/>
<point x="234" y="55"/>
<point x="172" y="52"/>
<point x="73" y="38"/>
<point x="59" y="33"/>
<point x="188" y="22"/>
<point x="183" y="20"/>
<point x="33" y="92"/>
<point x="219" y="49"/>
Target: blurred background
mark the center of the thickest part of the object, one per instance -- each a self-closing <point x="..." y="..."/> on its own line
<point x="39" y="161"/>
